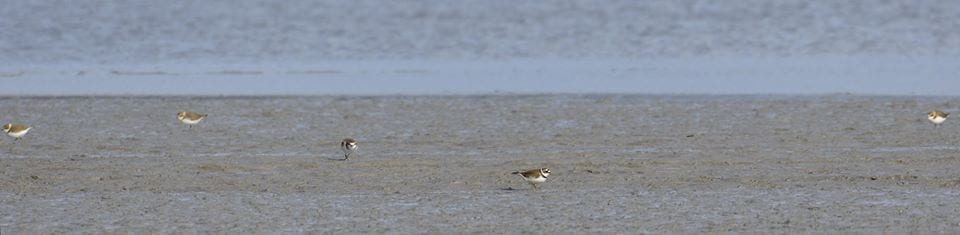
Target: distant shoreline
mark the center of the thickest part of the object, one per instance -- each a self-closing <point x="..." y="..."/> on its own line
<point x="506" y="95"/>
<point x="814" y="75"/>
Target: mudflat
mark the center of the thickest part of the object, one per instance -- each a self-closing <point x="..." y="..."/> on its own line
<point x="441" y="164"/>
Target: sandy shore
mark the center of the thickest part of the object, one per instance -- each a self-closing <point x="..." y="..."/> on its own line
<point x="440" y="164"/>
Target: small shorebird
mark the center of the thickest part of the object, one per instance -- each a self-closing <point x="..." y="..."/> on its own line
<point x="348" y="146"/>
<point x="190" y="118"/>
<point x="937" y="117"/>
<point x="534" y="176"/>
<point x="16" y="130"/>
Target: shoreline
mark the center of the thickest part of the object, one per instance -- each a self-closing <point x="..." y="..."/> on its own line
<point x="811" y="75"/>
<point x="486" y="95"/>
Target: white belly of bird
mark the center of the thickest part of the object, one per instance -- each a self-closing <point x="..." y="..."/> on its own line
<point x="536" y="180"/>
<point x="937" y="120"/>
<point x="18" y="134"/>
<point x="190" y="122"/>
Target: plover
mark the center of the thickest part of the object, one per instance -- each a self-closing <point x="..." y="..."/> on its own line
<point x="16" y="130"/>
<point x="348" y="146"/>
<point x="937" y="117"/>
<point x="535" y="176"/>
<point x="190" y="118"/>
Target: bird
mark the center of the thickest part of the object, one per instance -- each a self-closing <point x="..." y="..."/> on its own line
<point x="348" y="146"/>
<point x="937" y="117"/>
<point x="535" y="176"/>
<point x="190" y="118"/>
<point x="16" y="130"/>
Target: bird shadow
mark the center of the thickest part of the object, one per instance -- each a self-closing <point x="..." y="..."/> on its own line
<point x="337" y="159"/>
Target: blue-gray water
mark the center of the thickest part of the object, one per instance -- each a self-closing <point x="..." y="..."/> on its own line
<point x="468" y="47"/>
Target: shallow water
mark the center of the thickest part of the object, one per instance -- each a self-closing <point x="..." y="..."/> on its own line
<point x="335" y="47"/>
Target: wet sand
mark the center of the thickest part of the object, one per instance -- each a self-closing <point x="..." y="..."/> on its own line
<point x="441" y="164"/>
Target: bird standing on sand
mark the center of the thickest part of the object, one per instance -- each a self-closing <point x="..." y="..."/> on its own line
<point x="190" y="118"/>
<point x="534" y="176"/>
<point x="16" y="130"/>
<point x="348" y="146"/>
<point x="937" y="117"/>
